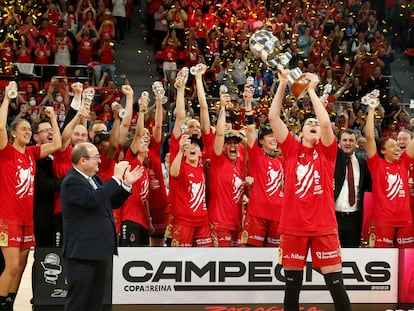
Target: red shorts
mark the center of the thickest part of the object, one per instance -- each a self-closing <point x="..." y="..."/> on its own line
<point x="159" y="220"/>
<point x="389" y="236"/>
<point x="325" y="250"/>
<point x="187" y="236"/>
<point x="260" y="232"/>
<point x="14" y="235"/>
<point x="223" y="236"/>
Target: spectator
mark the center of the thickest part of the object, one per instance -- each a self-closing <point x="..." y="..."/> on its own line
<point x="106" y="57"/>
<point x="119" y="13"/>
<point x="87" y="39"/>
<point x="62" y="47"/>
<point x="160" y="27"/>
<point x="42" y="51"/>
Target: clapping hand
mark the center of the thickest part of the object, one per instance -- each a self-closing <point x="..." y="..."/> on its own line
<point x="132" y="176"/>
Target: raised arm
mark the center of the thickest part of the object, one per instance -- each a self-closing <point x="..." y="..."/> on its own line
<point x="159" y="112"/>
<point x="56" y="143"/>
<point x="81" y="114"/>
<point x="250" y="125"/>
<point x="280" y="130"/>
<point x="3" y="114"/>
<point x="201" y="95"/>
<point x="176" y="163"/>
<point x="370" y="131"/>
<point x="126" y="121"/>
<point x="225" y="100"/>
<point x="327" y="134"/>
<point x="179" y="84"/>
<point x="139" y="130"/>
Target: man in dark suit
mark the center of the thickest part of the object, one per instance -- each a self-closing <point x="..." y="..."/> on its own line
<point x="89" y="236"/>
<point x="349" y="212"/>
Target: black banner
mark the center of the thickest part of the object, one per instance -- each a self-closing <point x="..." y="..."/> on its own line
<point x="49" y="282"/>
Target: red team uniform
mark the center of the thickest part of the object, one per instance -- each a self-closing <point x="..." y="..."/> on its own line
<point x="158" y="200"/>
<point x="225" y="204"/>
<point x="391" y="209"/>
<point x="265" y="200"/>
<point x="136" y="207"/>
<point x="190" y="218"/>
<point x="309" y="205"/>
<point x="188" y="204"/>
<point x="17" y="180"/>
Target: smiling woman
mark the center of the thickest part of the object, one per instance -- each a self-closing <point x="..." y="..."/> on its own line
<point x="17" y="179"/>
<point x="389" y="168"/>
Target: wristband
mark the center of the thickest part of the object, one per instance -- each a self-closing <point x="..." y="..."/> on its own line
<point x="249" y="119"/>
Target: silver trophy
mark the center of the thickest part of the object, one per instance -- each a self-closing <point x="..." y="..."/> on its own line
<point x="158" y="89"/>
<point x="12" y="93"/>
<point x="223" y="89"/>
<point x="371" y="99"/>
<point x="265" y="45"/>
<point x="181" y="75"/>
<point x="327" y="89"/>
<point x="122" y="113"/>
<point x="197" y="68"/>
<point x="89" y="95"/>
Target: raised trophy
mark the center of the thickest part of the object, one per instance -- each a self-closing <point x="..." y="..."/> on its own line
<point x="122" y="113"/>
<point x="268" y="47"/>
<point x="89" y="95"/>
<point x="371" y="98"/>
<point x="327" y="89"/>
<point x="12" y="93"/>
<point x="158" y="89"/>
<point x="197" y="68"/>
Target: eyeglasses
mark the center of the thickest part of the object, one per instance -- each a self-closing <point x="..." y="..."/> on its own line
<point x="45" y="130"/>
<point x="96" y="157"/>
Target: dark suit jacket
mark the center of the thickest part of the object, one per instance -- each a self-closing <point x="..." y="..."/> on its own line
<point x="88" y="224"/>
<point x="339" y="176"/>
<point x="44" y="196"/>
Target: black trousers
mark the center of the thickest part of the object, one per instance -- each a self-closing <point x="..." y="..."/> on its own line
<point x="349" y="228"/>
<point x="86" y="280"/>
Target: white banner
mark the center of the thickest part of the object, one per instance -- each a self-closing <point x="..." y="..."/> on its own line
<point x="168" y="275"/>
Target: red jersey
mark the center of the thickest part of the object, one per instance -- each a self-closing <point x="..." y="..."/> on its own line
<point x="85" y="50"/>
<point x="309" y="207"/>
<point x="226" y="190"/>
<point x="24" y="57"/>
<point x="157" y="193"/>
<point x="107" y="57"/>
<point x="106" y="167"/>
<point x="411" y="186"/>
<point x="41" y="57"/>
<point x="170" y="53"/>
<point x="136" y="207"/>
<point x="390" y="192"/>
<point x="189" y="206"/>
<point x="266" y="195"/>
<point x="17" y="183"/>
<point x="62" y="163"/>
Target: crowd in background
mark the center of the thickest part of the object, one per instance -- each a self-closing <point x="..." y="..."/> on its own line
<point x="200" y="186"/>
<point x="349" y="45"/>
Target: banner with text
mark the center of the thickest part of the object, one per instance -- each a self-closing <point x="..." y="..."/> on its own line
<point x="243" y="275"/>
